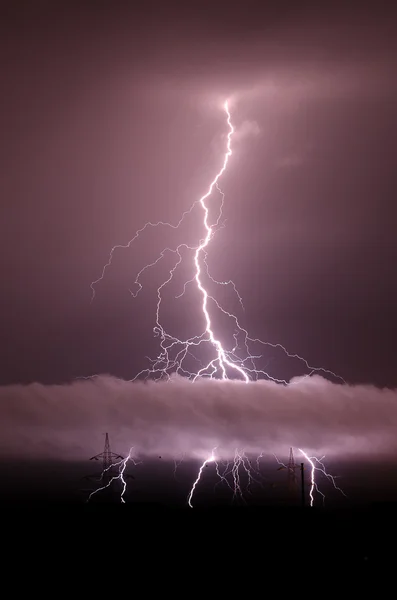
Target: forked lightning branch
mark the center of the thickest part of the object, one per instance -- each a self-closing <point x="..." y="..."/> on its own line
<point x="238" y="361"/>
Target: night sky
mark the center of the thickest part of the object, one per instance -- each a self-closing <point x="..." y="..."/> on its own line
<point x="111" y="117"/>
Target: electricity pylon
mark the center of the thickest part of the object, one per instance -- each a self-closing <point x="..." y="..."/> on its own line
<point x="292" y="482"/>
<point x="291" y="475"/>
<point x="110" y="466"/>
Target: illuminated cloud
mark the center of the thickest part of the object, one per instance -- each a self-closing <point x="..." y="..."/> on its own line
<point x="167" y="419"/>
<point x="290" y="160"/>
<point x="247" y="129"/>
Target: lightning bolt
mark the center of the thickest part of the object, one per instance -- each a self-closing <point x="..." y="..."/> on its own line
<point x="206" y="462"/>
<point x="239" y="464"/>
<point x="177" y="463"/>
<point x="120" y="477"/>
<point x="237" y="361"/>
<point x="261" y="455"/>
<point x="313" y="484"/>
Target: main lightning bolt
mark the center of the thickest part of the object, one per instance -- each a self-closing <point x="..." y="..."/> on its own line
<point x="238" y="361"/>
<point x="221" y="354"/>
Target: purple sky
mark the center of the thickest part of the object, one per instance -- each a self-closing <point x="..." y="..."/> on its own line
<point x="111" y="118"/>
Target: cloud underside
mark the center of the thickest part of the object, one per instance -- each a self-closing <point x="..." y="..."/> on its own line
<point x="167" y="419"/>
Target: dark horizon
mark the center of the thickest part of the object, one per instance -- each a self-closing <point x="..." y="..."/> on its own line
<point x="155" y="483"/>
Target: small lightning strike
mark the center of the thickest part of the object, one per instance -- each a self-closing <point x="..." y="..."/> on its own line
<point x="177" y="463"/>
<point x="206" y="462"/>
<point x="261" y="455"/>
<point x="234" y="468"/>
<point x="122" y="466"/>
<point x="237" y="361"/>
<point x="313" y="482"/>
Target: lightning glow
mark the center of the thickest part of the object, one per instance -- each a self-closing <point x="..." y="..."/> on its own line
<point x="236" y="361"/>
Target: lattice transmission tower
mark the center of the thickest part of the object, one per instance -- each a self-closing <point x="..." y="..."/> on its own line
<point x="292" y="481"/>
<point x="111" y="463"/>
<point x="291" y="475"/>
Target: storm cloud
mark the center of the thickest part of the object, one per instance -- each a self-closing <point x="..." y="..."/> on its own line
<point x="167" y="418"/>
